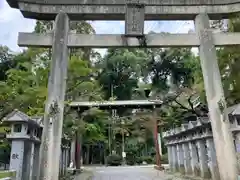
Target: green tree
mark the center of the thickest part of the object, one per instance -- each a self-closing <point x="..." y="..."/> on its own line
<point x="229" y="66"/>
<point x="81" y="27"/>
<point x="119" y="73"/>
<point x="120" y="70"/>
<point x="8" y="60"/>
<point x="173" y="63"/>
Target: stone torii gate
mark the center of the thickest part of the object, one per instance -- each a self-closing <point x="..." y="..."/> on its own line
<point x="134" y="12"/>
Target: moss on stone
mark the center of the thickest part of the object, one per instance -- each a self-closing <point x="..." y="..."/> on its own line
<point x="189" y="171"/>
<point x="181" y="169"/>
<point x="5" y="174"/>
<point x="207" y="174"/>
<point x="197" y="171"/>
<point x="3" y="129"/>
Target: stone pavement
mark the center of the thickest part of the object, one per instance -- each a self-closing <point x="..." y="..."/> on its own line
<point x="129" y="173"/>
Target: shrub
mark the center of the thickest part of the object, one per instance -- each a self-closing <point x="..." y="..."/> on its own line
<point x="131" y="159"/>
<point x="68" y="176"/>
<point x="148" y="159"/>
<point x="139" y="160"/>
<point x="130" y="162"/>
<point x="164" y="159"/>
<point x="114" y="160"/>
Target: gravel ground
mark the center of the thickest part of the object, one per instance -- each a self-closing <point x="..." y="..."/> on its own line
<point x="129" y="173"/>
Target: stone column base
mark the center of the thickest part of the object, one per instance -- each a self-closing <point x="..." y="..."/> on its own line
<point x="181" y="169"/>
<point x="160" y="168"/>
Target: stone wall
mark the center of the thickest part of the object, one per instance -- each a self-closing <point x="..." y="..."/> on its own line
<point x="191" y="149"/>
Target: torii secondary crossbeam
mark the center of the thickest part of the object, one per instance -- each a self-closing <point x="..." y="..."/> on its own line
<point x="112" y="40"/>
<point x="134" y="12"/>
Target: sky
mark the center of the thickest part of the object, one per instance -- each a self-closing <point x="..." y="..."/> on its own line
<point x="12" y="22"/>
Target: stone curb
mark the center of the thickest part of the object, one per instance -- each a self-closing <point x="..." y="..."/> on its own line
<point x="185" y="177"/>
<point x="85" y="175"/>
<point x="159" y="168"/>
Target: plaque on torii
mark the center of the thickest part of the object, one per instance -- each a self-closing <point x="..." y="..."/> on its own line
<point x="134" y="18"/>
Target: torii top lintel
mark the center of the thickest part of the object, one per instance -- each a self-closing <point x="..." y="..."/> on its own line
<point x="115" y="9"/>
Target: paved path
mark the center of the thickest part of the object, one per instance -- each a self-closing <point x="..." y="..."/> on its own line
<point x="129" y="173"/>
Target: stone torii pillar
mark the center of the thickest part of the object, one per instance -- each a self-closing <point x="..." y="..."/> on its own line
<point x="223" y="140"/>
<point x="50" y="150"/>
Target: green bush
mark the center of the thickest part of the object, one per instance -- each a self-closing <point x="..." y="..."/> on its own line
<point x="139" y="160"/>
<point x="164" y="159"/>
<point x="114" y="160"/>
<point x="131" y="159"/>
<point x="130" y="162"/>
<point x="148" y="159"/>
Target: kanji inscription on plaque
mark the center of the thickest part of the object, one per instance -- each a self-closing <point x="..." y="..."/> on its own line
<point x="134" y="20"/>
<point x="14" y="156"/>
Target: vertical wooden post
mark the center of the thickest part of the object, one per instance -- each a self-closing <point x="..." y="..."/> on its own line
<point x="53" y="118"/>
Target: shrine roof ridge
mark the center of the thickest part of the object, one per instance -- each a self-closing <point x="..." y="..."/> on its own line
<point x="14" y="3"/>
<point x="115" y="9"/>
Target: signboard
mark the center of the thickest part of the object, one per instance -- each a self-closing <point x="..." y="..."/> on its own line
<point x="123" y="154"/>
<point x="134" y="20"/>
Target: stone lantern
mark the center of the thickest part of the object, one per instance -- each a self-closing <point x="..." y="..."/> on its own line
<point x="24" y="136"/>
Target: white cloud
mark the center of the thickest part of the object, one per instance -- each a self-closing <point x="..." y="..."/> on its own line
<point x="108" y="27"/>
<point x="12" y="22"/>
